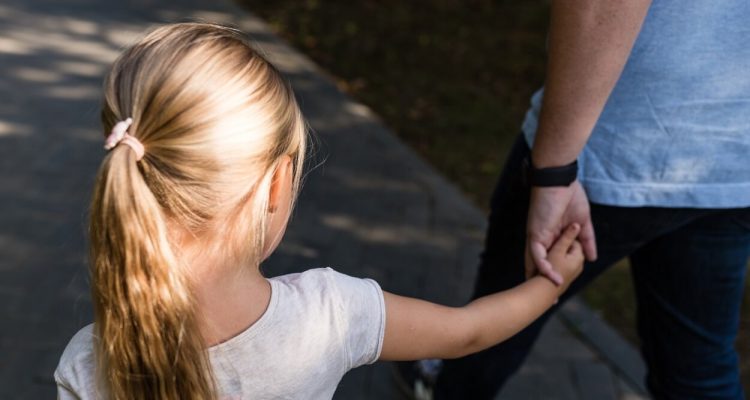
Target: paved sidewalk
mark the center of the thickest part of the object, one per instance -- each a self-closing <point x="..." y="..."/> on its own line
<point x="372" y="208"/>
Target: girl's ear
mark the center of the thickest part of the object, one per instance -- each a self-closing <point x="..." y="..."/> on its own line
<point x="281" y="185"/>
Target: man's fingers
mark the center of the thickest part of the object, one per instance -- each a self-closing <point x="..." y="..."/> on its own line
<point x="539" y="256"/>
<point x="546" y="269"/>
<point x="538" y="253"/>
<point x="588" y="241"/>
<point x="530" y="268"/>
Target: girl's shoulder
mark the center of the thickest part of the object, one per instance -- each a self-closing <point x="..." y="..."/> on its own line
<point x="307" y="277"/>
<point x="316" y="276"/>
<point x="75" y="371"/>
<point x="335" y="285"/>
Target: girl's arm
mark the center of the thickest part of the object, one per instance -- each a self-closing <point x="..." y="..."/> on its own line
<point x="417" y="329"/>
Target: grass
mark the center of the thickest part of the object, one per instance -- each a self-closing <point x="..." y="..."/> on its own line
<point x="453" y="80"/>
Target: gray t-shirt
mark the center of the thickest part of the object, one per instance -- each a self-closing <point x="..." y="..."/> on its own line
<point x="319" y="324"/>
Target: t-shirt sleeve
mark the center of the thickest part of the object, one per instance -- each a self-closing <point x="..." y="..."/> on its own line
<point x="75" y="372"/>
<point x="361" y="318"/>
<point x="64" y="392"/>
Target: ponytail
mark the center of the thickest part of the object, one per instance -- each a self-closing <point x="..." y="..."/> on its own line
<point x="149" y="346"/>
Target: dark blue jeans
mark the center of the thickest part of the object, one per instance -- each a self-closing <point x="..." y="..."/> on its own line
<point x="688" y="268"/>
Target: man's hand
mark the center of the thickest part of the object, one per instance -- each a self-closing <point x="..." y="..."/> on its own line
<point x="551" y="209"/>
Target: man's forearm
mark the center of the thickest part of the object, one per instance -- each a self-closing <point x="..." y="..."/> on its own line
<point x="589" y="43"/>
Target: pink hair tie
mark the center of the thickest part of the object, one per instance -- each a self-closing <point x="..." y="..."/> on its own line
<point x="119" y="135"/>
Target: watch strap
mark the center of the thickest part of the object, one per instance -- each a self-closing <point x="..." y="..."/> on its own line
<point x="551" y="176"/>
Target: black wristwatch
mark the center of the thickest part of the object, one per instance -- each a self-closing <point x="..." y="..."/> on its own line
<point x="551" y="176"/>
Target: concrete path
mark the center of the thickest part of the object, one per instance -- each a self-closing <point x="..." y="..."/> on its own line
<point x="372" y="208"/>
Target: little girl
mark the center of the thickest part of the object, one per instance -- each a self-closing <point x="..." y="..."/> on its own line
<point x="206" y="146"/>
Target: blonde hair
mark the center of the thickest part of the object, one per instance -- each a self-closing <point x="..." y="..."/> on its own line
<point x="215" y="119"/>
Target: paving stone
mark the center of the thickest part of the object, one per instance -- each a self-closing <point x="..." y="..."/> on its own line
<point x="595" y="380"/>
<point x="537" y="381"/>
<point x="562" y="344"/>
<point x="602" y="337"/>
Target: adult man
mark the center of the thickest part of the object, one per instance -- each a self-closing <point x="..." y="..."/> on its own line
<point x="653" y="100"/>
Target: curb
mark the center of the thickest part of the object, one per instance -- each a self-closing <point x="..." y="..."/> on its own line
<point x="606" y="341"/>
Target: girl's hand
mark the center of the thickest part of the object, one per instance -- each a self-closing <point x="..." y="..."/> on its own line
<point x="566" y="255"/>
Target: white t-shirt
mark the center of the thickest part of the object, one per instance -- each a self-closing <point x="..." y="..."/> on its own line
<point x="319" y="324"/>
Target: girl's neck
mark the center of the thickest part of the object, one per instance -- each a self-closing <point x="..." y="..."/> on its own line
<point x="228" y="300"/>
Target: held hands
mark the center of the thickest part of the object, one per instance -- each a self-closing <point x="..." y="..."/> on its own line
<point x="566" y="255"/>
<point x="550" y="210"/>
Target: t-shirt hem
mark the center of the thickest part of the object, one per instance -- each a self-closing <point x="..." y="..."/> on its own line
<point x="381" y="331"/>
<point x="668" y="195"/>
<point x="704" y="194"/>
